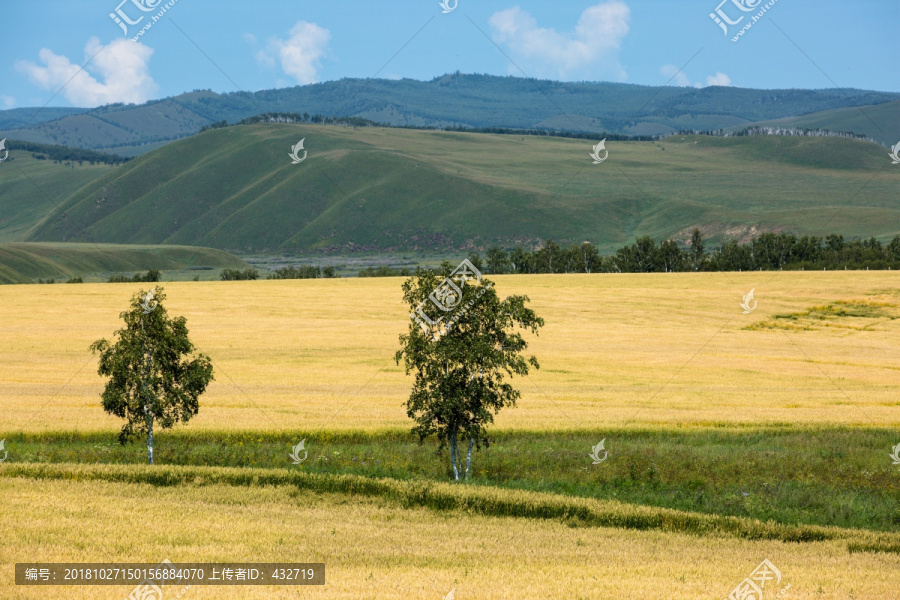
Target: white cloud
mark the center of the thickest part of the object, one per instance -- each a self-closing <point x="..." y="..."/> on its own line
<point x="682" y="80"/>
<point x="301" y="54"/>
<point x="122" y="69"/>
<point x="718" y="79"/>
<point x="7" y="101"/>
<point x="670" y="71"/>
<point x="590" y="50"/>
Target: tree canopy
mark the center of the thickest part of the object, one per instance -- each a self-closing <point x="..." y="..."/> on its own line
<point x="153" y="378"/>
<point x="461" y="345"/>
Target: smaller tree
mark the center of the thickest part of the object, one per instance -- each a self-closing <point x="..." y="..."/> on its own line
<point x="153" y="380"/>
<point x="497" y="261"/>
<point x="588" y="258"/>
<point x="698" y="250"/>
<point x="671" y="256"/>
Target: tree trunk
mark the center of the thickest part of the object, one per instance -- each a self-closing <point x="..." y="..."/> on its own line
<point x="150" y="439"/>
<point x="453" y="457"/>
<point x="147" y="414"/>
<point x="469" y="457"/>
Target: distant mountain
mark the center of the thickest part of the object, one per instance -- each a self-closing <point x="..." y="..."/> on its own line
<point x="15" y="118"/>
<point x="451" y="100"/>
<point x="388" y="189"/>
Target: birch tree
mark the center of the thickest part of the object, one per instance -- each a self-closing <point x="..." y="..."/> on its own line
<point x="153" y="378"/>
<point x="461" y="359"/>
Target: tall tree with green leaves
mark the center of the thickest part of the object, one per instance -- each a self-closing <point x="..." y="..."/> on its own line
<point x="497" y="261"/>
<point x="462" y="344"/>
<point x="698" y="250"/>
<point x="154" y="379"/>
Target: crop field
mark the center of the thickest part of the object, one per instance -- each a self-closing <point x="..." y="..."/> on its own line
<point x="732" y="438"/>
<point x="616" y="350"/>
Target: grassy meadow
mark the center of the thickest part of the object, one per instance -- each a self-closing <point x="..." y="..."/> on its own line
<point x="732" y="438"/>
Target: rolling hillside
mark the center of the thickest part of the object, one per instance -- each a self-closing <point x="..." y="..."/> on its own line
<point x="25" y="263"/>
<point x="451" y="100"/>
<point x="31" y="188"/>
<point x="15" y="118"/>
<point x="376" y="189"/>
<point x="880" y="122"/>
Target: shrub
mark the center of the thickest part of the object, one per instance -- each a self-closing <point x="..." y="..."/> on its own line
<point x="385" y="272"/>
<point x="238" y="275"/>
<point x="152" y="276"/>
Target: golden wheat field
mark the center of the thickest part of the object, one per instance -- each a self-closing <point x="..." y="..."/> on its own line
<point x="373" y="550"/>
<point x="616" y="349"/>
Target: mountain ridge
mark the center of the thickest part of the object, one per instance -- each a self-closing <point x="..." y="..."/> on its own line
<point x="452" y="100"/>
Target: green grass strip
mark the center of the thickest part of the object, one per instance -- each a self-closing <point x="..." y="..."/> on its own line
<point x="494" y="502"/>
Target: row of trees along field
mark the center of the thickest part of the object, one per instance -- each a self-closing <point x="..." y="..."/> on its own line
<point x="769" y="251"/>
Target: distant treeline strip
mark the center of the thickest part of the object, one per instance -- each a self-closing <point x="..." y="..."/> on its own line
<point x="783" y="131"/>
<point x="360" y="122"/>
<point x="768" y="252"/>
<point x="306" y="272"/>
<point x="277" y="117"/>
<point x="65" y="154"/>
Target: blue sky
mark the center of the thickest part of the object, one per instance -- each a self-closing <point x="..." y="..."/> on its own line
<point x="227" y="45"/>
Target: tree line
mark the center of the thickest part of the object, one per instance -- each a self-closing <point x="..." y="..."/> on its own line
<point x="289" y="272"/>
<point x="769" y="251"/>
<point x="782" y="131"/>
<point x="65" y="154"/>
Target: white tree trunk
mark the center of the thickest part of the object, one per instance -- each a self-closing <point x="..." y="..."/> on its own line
<point x="150" y="439"/>
<point x="469" y="457"/>
<point x="147" y="414"/>
<point x="453" y="457"/>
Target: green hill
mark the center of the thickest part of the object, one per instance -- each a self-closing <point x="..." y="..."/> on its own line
<point x="377" y="189"/>
<point x="477" y="101"/>
<point x="880" y="122"/>
<point x="27" y="262"/>
<point x="30" y="188"/>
